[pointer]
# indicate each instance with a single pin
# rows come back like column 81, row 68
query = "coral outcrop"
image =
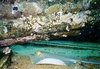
column 58, row 20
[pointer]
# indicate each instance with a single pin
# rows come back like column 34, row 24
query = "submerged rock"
column 6, row 58
column 79, row 65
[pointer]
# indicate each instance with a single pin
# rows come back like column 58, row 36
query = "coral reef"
column 53, row 9
column 60, row 20
column 5, row 11
column 31, row 9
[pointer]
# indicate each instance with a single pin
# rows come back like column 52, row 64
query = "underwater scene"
column 49, row 34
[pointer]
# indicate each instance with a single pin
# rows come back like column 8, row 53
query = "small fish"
column 12, row 31
column 26, row 33
column 69, row 0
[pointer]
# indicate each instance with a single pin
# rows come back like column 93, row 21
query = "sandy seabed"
column 24, row 62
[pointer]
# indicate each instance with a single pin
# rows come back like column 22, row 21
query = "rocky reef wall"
column 44, row 20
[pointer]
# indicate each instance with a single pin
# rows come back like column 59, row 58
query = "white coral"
column 32, row 9
column 79, row 18
column 37, row 28
column 66, row 17
column 7, row 50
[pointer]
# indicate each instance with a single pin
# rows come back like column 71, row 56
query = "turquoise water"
column 67, row 51
column 80, row 50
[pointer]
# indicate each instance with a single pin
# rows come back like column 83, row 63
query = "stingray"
column 41, row 57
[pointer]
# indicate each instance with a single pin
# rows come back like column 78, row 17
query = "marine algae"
column 54, row 8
